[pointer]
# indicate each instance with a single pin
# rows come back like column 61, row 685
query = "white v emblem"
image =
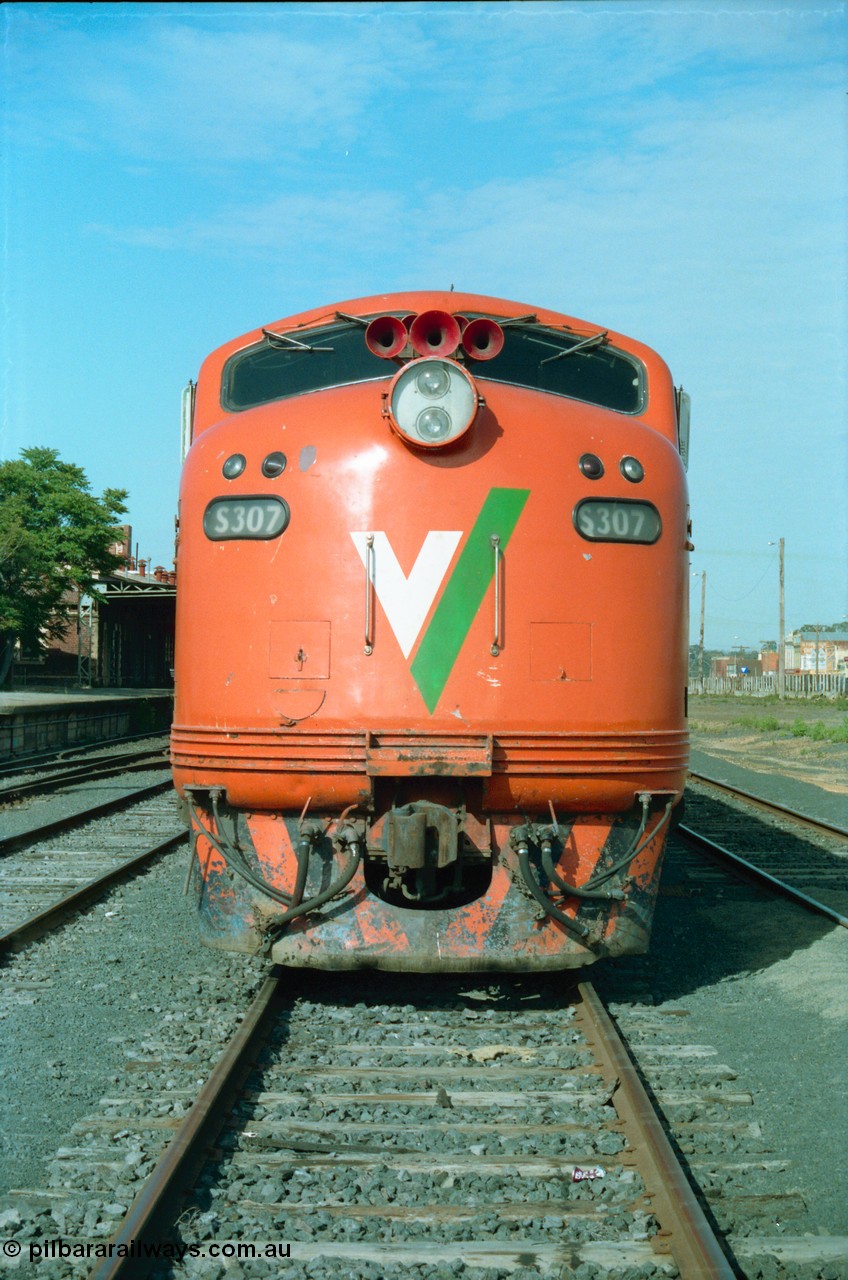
column 406, row 601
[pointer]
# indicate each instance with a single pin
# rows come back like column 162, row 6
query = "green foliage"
column 821, row 732
column 765, row 724
column 54, row 538
column 818, row 731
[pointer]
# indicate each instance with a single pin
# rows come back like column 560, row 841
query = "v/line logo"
column 406, row 601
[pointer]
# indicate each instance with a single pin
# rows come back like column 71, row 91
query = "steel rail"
column 85, row 815
column 690, row 1238
column 692, row 1244
column 150, row 1217
column 34, row 926
column 75, row 753
column 150, row 1214
column 770, row 806
column 130, row 763
column 752, row 872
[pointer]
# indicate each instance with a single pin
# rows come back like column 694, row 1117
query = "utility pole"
column 701, row 641
column 781, row 653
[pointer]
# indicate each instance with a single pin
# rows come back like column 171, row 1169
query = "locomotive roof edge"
column 659, row 410
column 436, row 299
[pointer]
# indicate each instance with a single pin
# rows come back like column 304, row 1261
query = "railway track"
column 62, row 866
column 501, row 1129
column 378, row 1130
column 55, row 775
column 790, row 853
column 382, row 1131
column 386, row 1128
column 33, row 825
column 80, row 754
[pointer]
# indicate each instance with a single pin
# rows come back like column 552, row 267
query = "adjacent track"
column 42, row 884
column 84, row 771
column 790, row 844
column 81, row 753
column 56, row 826
column 769, row 806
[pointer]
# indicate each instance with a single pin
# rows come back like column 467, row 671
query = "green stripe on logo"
column 463, row 595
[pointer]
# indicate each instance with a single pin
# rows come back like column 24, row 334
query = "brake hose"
column 574, row 926
column 600, row 877
column 590, row 889
column 236, row 863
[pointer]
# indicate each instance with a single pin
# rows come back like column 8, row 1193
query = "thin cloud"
column 266, row 83
column 186, row 93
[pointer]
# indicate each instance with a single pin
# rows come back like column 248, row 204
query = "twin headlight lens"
column 432, row 402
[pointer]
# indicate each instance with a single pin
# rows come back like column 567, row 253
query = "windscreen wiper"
column 287, row 343
column 592, row 341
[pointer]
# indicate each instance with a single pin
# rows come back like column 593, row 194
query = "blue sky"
column 175, row 174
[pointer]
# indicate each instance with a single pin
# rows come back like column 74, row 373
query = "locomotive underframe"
column 426, row 886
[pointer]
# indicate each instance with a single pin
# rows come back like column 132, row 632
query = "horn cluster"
column 434, row 333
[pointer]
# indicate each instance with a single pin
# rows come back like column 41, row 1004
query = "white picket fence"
column 804, row 685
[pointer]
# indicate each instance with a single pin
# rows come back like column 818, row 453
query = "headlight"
column 432, row 402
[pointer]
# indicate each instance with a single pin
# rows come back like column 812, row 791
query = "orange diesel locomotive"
column 431, row 636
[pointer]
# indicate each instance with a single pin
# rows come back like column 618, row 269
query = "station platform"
column 34, row 721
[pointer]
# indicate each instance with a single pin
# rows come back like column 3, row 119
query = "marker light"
column 432, row 402
column 274, row 465
column 632, row 469
column 234, row 466
column 591, row 466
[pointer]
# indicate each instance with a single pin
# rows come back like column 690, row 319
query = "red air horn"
column 434, row 333
column 386, row 336
column 483, row 339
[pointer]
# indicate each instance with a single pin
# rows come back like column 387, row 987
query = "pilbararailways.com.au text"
column 49, row 1250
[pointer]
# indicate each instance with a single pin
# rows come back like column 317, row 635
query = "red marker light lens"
column 591, row 466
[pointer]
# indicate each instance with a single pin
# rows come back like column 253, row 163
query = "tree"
column 54, row 538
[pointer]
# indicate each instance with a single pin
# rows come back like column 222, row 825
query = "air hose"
column 591, row 890
column 573, row 926
column 294, row 902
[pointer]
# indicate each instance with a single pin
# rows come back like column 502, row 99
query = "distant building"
column 812, row 649
column 120, row 636
column 727, row 668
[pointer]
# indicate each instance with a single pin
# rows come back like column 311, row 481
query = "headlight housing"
column 432, row 402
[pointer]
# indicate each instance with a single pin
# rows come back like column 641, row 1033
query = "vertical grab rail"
column 496, row 547
column 369, row 579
